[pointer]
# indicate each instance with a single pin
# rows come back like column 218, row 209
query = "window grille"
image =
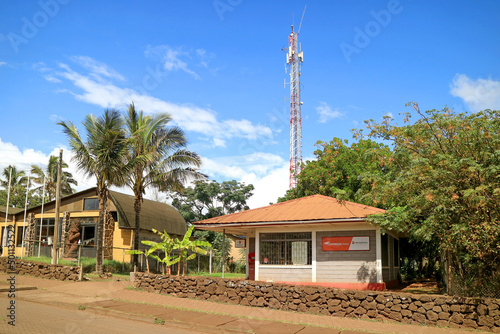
column 285, row 248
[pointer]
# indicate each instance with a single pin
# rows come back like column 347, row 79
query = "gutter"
column 302, row 222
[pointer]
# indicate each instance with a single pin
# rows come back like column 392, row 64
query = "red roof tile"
column 315, row 207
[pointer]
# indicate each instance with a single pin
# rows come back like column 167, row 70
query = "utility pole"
column 4, row 239
column 58, row 205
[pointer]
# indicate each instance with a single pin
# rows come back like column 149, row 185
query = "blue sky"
column 218, row 68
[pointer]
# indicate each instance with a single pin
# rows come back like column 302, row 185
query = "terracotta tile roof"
column 315, row 207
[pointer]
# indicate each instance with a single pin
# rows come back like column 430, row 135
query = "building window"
column 90, row 204
column 285, row 248
column 45, row 231
column 19, row 236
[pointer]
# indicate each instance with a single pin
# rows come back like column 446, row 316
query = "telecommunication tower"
column 294, row 58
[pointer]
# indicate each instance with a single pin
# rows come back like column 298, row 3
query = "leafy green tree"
column 212, row 199
column 157, row 157
column 445, row 187
column 103, row 156
column 340, row 170
column 185, row 246
column 49, row 176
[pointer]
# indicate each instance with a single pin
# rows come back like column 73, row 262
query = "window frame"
column 281, row 244
column 89, row 199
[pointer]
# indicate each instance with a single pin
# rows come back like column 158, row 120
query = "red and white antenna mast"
column 294, row 58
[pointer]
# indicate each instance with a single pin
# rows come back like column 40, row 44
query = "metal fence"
column 209, row 263
column 470, row 283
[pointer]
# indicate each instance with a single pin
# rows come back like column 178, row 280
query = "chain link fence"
column 473, row 283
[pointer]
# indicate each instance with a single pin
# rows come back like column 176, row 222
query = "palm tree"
column 49, row 176
column 156, row 157
column 101, row 156
column 17, row 179
column 18, row 186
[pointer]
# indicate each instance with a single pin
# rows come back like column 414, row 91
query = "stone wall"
column 45, row 270
column 433, row 310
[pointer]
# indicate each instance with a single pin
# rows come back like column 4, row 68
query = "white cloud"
column 56, row 118
column 478, row 94
column 267, row 172
column 174, row 58
column 97, row 68
column 237, row 167
column 23, row 159
column 2, row 63
column 219, row 142
column 52, row 79
column 268, row 188
column 189, row 117
column 326, row 113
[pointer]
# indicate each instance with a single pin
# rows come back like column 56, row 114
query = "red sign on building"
column 346, row 243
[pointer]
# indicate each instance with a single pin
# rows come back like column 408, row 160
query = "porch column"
column 378, row 242
column 247, row 251
column 313, row 255
column 257, row 254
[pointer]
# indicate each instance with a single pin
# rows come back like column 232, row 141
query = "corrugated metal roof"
column 12, row 211
column 310, row 208
column 160, row 216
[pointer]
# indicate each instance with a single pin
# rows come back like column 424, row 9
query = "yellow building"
column 80, row 211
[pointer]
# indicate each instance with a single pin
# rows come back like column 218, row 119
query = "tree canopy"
column 341, row 170
column 444, row 184
column 211, row 199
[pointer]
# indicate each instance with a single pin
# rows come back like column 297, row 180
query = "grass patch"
column 226, row 275
column 159, row 321
column 82, row 307
column 88, row 264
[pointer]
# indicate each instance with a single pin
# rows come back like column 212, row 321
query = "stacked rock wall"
column 45, row 270
column 434, row 310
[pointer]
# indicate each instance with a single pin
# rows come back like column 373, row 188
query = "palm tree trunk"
column 102, row 197
column 137, row 209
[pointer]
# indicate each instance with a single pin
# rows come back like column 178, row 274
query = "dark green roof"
column 159, row 216
column 12, row 211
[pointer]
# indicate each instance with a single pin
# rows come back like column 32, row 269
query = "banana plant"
column 167, row 246
column 185, row 245
column 153, row 246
